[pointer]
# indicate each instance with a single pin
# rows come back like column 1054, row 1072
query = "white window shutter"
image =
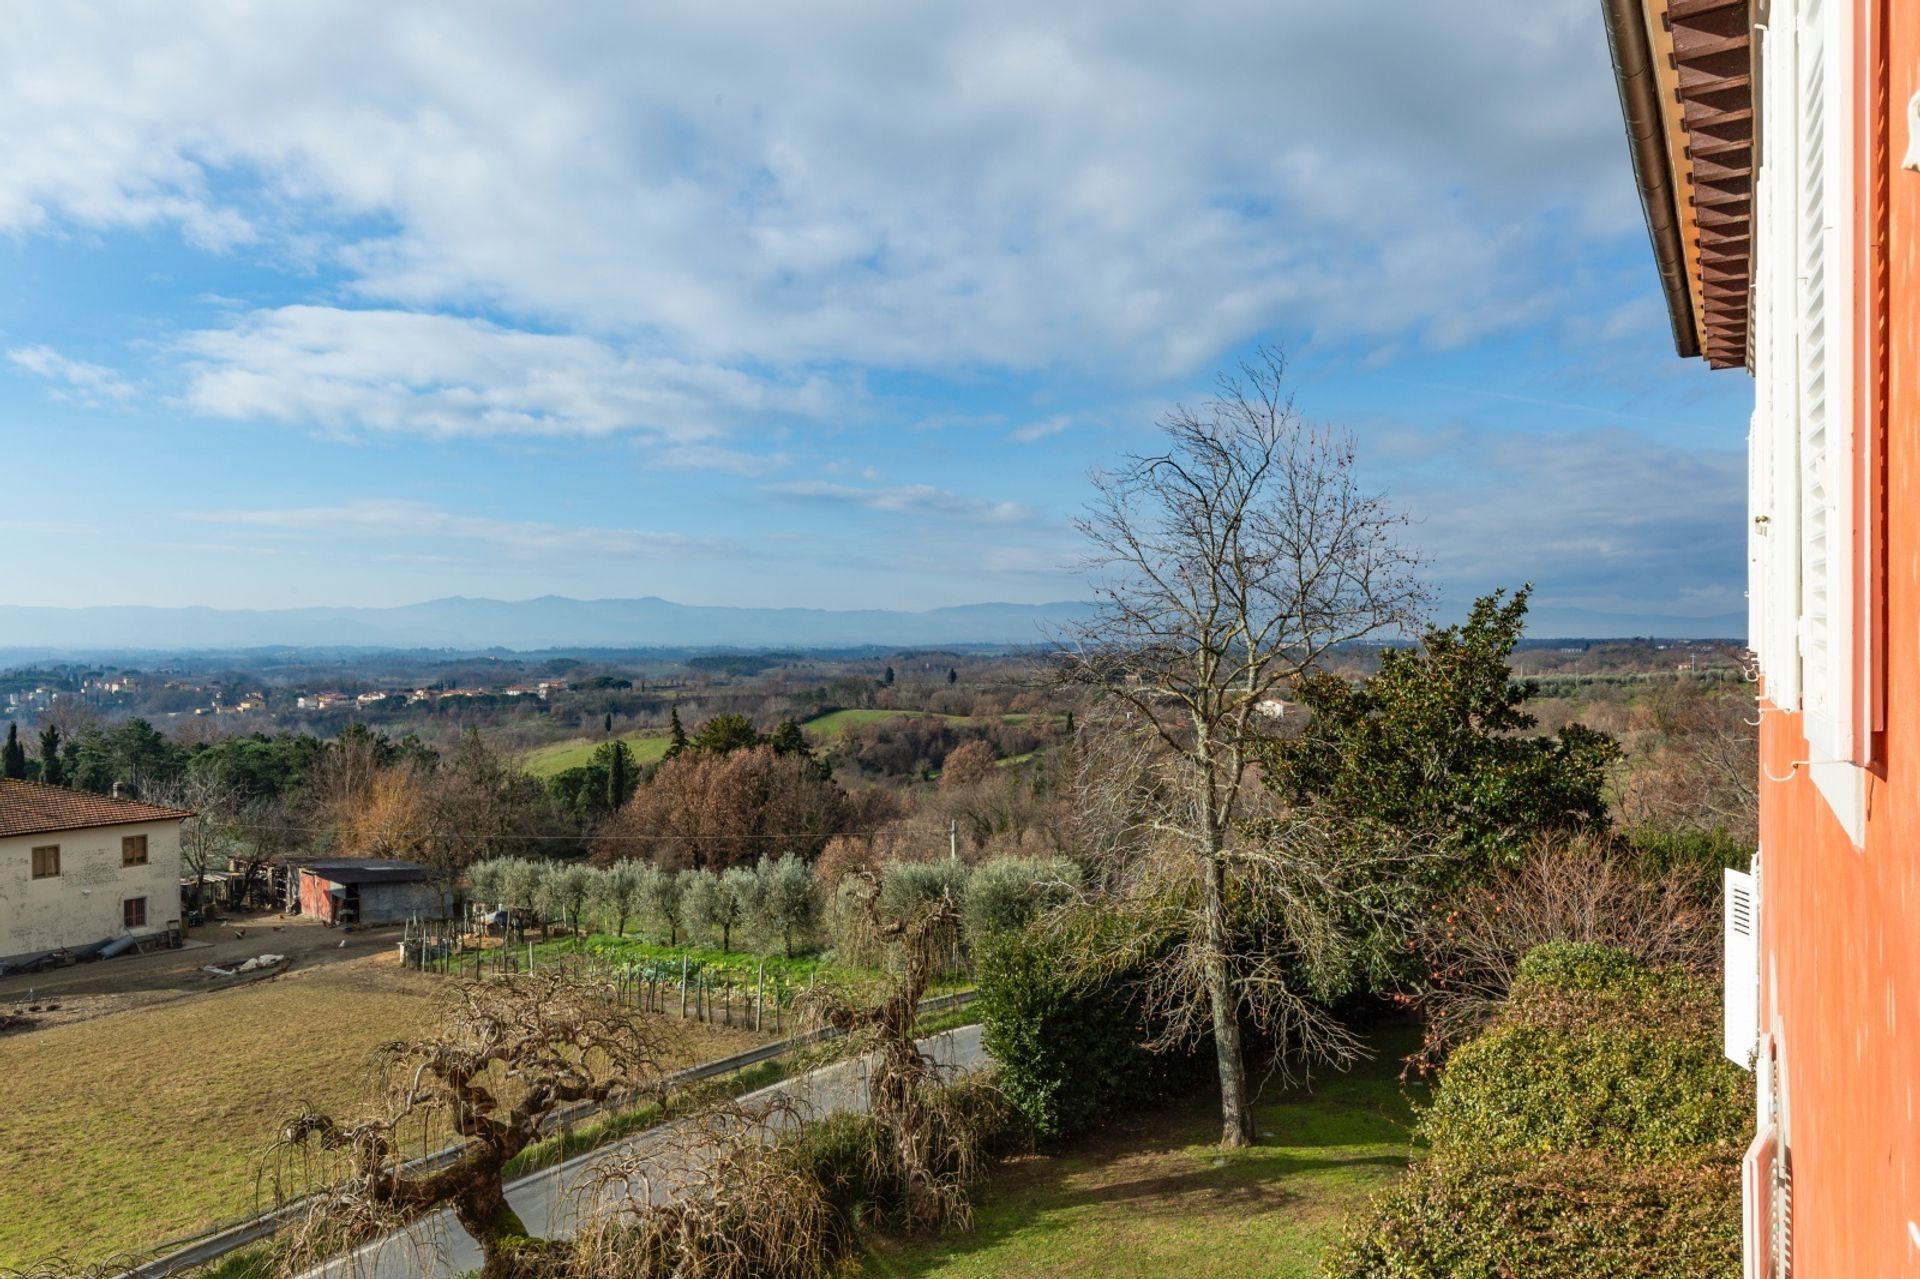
column 1822, row 326
column 1776, row 432
column 1741, row 969
column 1759, row 1174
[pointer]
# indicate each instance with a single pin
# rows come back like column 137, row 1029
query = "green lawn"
column 834, row 723
column 1151, row 1195
column 545, row 761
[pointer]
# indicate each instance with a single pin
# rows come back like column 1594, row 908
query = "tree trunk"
column 483, row 1211
column 1236, row 1113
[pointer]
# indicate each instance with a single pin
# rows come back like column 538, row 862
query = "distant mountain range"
column 549, row 622
column 556, row 622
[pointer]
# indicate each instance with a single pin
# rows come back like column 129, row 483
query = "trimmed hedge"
column 1594, row 1052
column 1571, row 1216
column 1593, row 1129
column 1069, row 1052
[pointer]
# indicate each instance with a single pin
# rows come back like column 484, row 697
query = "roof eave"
column 1635, row 76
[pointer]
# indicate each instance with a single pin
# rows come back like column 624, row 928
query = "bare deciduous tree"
column 1232, row 561
column 1569, row 889
column 509, row 1053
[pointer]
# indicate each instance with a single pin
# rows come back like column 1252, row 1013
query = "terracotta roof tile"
column 29, row 808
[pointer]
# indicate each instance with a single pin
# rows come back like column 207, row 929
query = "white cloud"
column 445, row 376
column 91, row 385
column 908, row 499
column 1605, row 520
column 411, row 523
column 1033, row 432
column 1116, row 185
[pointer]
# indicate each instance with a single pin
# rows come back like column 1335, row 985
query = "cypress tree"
column 619, row 775
column 52, row 771
column 678, row 735
column 13, row 760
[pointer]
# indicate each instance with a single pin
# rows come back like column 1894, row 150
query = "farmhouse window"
column 46, row 861
column 133, row 911
column 133, row 850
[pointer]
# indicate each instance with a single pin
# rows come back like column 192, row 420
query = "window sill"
column 1844, row 786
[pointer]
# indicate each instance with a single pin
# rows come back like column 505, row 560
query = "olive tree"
column 1228, row 562
column 620, row 893
column 786, row 900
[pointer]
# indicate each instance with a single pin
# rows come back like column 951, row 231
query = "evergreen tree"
column 678, row 735
column 887, row 679
column 13, row 761
column 787, row 739
column 606, row 725
column 1440, row 741
column 619, row 774
column 724, row 734
column 953, row 677
column 52, row 771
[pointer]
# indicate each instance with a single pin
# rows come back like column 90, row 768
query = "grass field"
column 545, row 761
column 1152, row 1196
column 132, row 1129
column 834, row 723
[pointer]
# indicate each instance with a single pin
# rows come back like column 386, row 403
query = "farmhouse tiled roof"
column 29, row 808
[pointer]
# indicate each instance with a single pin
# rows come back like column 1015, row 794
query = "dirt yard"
column 143, row 1124
column 135, row 981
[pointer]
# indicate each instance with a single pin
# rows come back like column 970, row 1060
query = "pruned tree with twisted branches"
column 932, row 1152
column 508, row 1054
column 1229, row 563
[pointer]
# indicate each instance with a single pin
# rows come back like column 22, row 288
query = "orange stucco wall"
column 1840, row 927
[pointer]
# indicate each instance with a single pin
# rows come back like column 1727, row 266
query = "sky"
column 833, row 304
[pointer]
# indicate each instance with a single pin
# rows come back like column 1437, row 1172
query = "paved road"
column 548, row 1201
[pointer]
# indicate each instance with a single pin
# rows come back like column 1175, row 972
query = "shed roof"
column 31, row 808
column 367, row 870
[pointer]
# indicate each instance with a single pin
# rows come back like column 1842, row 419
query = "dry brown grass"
column 129, row 1130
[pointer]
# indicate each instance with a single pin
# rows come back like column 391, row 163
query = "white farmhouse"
column 78, row 869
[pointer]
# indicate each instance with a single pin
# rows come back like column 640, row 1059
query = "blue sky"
column 831, row 305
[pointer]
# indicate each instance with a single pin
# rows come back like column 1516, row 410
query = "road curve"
column 435, row 1247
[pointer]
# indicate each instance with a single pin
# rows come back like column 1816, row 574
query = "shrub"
column 1594, row 1129
column 1695, row 857
column 1007, row 893
column 1549, row 1217
column 853, row 1159
column 1594, row 1051
column 1068, row 1051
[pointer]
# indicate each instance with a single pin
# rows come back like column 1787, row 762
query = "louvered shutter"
column 1741, row 969
column 1819, row 367
column 1756, row 1201
column 1776, row 435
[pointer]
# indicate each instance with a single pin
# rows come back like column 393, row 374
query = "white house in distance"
column 78, row 869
